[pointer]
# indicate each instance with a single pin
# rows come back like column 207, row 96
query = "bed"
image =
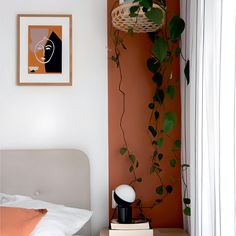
column 60, row 176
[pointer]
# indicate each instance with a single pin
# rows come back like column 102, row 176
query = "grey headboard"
column 59, row 175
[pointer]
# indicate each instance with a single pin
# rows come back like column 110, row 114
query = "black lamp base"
column 125, row 214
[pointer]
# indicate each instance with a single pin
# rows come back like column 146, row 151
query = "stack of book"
column 136, row 228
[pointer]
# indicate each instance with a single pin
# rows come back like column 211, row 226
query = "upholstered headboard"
column 58, row 176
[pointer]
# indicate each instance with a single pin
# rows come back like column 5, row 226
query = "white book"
column 130, row 232
column 138, row 224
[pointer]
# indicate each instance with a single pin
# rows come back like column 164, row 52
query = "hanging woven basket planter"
column 122, row 21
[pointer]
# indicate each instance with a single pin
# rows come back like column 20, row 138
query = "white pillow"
column 6, row 198
column 59, row 220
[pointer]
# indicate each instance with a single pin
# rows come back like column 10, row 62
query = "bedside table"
column 157, row 232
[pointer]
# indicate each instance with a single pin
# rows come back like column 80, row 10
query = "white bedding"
column 59, row 220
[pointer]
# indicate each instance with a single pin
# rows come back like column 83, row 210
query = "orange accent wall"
column 139, row 88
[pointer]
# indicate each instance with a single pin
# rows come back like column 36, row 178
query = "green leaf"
column 123, row 150
column 131, row 169
column 176, row 27
column 140, row 180
column 177, row 51
column 158, row 79
column 159, row 190
column 169, row 189
column 160, row 49
column 152, row 130
column 154, row 142
column 146, row 3
column 134, row 9
column 171, row 91
column 170, row 120
column 144, row 9
column 154, row 154
column 153, row 169
column 187, row 201
column 160, row 156
column 155, row 15
column 173, row 163
column 186, row 72
column 114, row 58
column 152, row 36
column 153, row 65
column 187, row 211
column 160, row 142
column 159, row 96
column 178, row 143
column 132, row 158
column 156, row 114
column 151, row 106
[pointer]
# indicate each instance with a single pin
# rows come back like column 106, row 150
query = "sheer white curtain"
column 208, row 115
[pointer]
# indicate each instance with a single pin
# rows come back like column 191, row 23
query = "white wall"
column 61, row 117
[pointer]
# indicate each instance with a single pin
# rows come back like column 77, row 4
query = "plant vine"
column 134, row 163
column 161, row 121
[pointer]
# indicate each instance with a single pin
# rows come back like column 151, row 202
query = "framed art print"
column 44, row 49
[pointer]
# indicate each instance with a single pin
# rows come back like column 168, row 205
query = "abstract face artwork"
column 44, row 49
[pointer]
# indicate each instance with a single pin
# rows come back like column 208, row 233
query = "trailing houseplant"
column 162, row 120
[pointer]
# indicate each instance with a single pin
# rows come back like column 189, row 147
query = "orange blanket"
column 19, row 221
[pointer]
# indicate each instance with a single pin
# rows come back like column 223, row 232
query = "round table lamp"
column 124, row 196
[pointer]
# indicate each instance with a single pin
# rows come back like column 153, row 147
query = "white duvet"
column 59, row 220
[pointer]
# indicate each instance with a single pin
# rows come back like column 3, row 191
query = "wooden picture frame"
column 44, row 49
